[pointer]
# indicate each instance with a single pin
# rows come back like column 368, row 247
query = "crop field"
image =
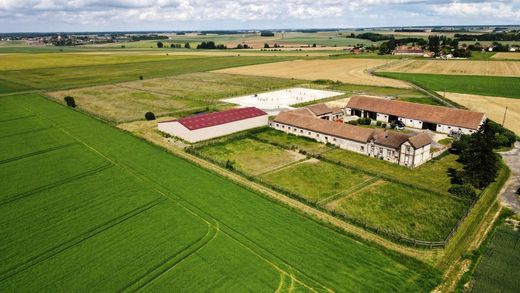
column 81, row 76
column 251, row 156
column 315, row 180
column 353, row 71
column 403, row 210
column 494, row 86
column 434, row 175
column 507, row 55
column 494, row 107
column 187, row 92
column 456, row 67
column 498, row 270
column 129, row 216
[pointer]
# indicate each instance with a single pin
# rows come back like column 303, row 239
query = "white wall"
column 176, row 129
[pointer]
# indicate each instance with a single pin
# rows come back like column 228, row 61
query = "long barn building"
column 409, row 150
column 435, row 118
column 210, row 125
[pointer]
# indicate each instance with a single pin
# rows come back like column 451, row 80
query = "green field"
column 499, row 86
column 399, row 209
column 80, row 76
column 315, row 180
column 434, row 175
column 250, row 156
column 167, row 95
column 146, row 219
column 498, row 270
column 279, row 138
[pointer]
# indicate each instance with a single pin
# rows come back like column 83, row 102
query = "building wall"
column 346, row 144
column 383, row 152
column 176, row 129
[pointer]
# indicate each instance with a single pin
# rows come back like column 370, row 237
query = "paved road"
column 509, row 196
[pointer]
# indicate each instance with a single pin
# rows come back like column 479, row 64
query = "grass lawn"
column 291, row 141
column 152, row 220
column 250, row 156
column 403, row 210
column 422, row 100
column 479, row 85
column 81, row 76
column 315, row 180
column 498, row 270
column 434, row 175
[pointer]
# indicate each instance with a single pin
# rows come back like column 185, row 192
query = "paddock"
column 281, row 100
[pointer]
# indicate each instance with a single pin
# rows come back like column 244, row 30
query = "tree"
column 160, row 44
column 480, row 162
column 266, row 46
column 149, row 116
column 434, row 44
column 465, row 191
column 70, row 101
column 187, row 45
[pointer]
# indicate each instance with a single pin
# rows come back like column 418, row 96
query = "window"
column 283, row 126
column 334, row 139
column 309, row 133
column 362, row 148
column 407, row 148
column 301, row 130
column 277, row 124
column 317, row 135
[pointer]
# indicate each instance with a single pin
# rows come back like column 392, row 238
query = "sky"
column 129, row 15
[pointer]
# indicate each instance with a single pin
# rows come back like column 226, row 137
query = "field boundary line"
column 26, row 132
column 37, row 153
column 17, row 118
column 171, row 262
column 19, row 196
column 6, row 274
column 281, row 167
column 354, row 188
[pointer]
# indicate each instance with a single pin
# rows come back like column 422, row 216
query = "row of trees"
column 161, row 45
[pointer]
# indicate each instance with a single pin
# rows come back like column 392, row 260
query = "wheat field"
column 457, row 67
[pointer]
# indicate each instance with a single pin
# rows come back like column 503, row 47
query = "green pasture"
column 284, row 140
column 316, row 180
column 399, row 209
column 250, row 156
column 499, row 86
column 150, row 220
column 434, row 175
column 498, row 270
column 82, row 76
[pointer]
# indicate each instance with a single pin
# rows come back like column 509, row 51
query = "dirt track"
column 353, row 71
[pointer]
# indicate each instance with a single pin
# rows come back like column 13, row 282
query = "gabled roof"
column 218, row 118
column 420, row 140
column 326, row 127
column 322, row 109
column 426, row 113
column 390, row 138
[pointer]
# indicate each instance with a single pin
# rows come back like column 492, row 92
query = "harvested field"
column 507, row 55
column 457, row 67
column 352, row 71
column 494, row 107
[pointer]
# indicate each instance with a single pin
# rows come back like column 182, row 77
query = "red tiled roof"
column 426, row 113
column 218, row 118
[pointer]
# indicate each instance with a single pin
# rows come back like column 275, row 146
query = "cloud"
column 27, row 15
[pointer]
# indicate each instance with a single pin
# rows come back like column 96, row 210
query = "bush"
column 149, row 116
column 383, row 125
column 141, row 77
column 160, row 44
column 353, row 122
column 364, row 121
column 465, row 191
column 70, row 101
column 378, row 123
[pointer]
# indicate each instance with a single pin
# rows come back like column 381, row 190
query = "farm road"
column 509, row 196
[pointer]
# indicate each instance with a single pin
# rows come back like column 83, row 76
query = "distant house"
column 210, row 125
column 435, row 118
column 409, row 150
column 408, row 51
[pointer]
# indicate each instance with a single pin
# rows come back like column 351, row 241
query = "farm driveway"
column 509, row 196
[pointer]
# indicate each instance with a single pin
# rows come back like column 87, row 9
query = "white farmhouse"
column 210, row 125
column 421, row 116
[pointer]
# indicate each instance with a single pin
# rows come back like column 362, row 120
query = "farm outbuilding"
column 421, row 116
column 210, row 125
